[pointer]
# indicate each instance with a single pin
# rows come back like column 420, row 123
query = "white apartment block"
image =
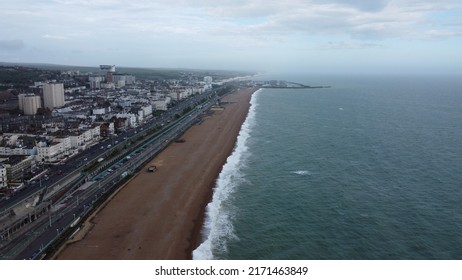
column 198, row 90
column 182, row 93
column 123, row 79
column 9, row 151
column 67, row 146
column 147, row 110
column 50, row 153
column 177, row 95
column 108, row 85
column 21, row 101
column 119, row 84
column 53, row 95
column 129, row 79
column 78, row 141
column 95, row 81
column 161, row 105
column 29, row 103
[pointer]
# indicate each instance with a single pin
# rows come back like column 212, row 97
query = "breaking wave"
column 218, row 227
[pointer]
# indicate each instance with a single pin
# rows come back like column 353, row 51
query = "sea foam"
column 218, row 227
column 302, row 172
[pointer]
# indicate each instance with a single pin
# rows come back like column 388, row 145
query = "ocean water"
column 370, row 168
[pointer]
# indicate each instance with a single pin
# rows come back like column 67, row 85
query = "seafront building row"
column 60, row 118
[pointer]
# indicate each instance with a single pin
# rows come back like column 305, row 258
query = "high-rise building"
column 95, row 81
column 109, row 70
column 127, row 79
column 21, row 101
column 29, row 103
column 53, row 95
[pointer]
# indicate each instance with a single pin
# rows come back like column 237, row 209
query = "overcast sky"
column 324, row 36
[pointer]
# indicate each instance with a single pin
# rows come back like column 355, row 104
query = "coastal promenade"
column 159, row 215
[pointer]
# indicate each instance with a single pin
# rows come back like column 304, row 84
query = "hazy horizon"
column 315, row 36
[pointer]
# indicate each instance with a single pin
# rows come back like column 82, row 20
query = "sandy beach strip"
column 159, row 215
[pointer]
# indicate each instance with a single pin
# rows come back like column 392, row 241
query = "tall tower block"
column 53, row 95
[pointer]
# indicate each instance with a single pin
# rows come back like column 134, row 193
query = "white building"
column 147, row 110
column 3, row 177
column 108, row 85
column 123, row 79
column 52, row 152
column 111, row 128
column 21, row 101
column 130, row 117
column 95, row 81
column 130, row 80
column 162, row 105
column 29, row 103
column 53, row 95
column 177, row 95
column 182, row 93
column 92, row 134
column 67, row 146
column 17, row 167
column 101, row 111
column 140, row 115
column 119, row 84
column 89, row 136
column 14, row 146
column 78, row 141
column 14, row 151
column 197, row 90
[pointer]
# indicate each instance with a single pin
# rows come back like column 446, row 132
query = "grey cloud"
column 11, row 45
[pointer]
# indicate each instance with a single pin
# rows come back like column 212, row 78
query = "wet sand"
column 159, row 215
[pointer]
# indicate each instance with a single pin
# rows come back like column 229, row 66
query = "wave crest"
column 218, row 228
column 302, row 172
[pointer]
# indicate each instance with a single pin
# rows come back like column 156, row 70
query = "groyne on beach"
column 159, row 215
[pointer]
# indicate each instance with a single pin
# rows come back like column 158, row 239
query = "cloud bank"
column 171, row 28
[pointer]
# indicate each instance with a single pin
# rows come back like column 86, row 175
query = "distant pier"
column 285, row 85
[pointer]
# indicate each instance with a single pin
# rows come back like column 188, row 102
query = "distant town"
column 69, row 137
column 53, row 119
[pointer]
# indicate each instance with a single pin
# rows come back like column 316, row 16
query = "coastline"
column 160, row 215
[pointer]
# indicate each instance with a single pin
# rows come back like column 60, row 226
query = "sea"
column 370, row 168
